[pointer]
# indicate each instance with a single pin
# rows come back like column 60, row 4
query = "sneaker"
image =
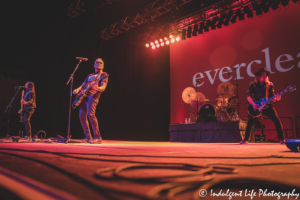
column 244, row 142
column 282, row 141
column 95, row 141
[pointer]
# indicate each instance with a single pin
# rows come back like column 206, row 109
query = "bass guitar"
column 83, row 93
column 22, row 108
column 261, row 104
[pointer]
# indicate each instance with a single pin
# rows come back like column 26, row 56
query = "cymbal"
column 226, row 89
column 197, row 96
column 186, row 94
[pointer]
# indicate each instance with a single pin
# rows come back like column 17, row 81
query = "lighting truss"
column 76, row 8
column 203, row 15
column 150, row 12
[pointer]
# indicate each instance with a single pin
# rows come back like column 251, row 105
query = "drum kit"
column 224, row 109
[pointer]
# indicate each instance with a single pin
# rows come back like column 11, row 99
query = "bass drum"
column 207, row 113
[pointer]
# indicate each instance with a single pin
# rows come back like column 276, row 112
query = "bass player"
column 87, row 108
column 259, row 89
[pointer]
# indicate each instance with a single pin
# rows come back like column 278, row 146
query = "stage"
column 69, row 170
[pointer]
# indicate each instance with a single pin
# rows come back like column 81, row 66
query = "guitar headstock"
column 291, row 88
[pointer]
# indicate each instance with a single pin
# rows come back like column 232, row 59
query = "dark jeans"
column 272, row 114
column 87, row 108
column 26, row 120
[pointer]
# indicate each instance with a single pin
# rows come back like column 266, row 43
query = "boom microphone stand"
column 70, row 103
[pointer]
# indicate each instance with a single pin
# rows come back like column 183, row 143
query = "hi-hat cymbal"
column 226, row 89
column 187, row 93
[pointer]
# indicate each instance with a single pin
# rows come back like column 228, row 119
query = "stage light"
column 151, row 43
column 200, row 31
column 156, row 41
column 177, row 38
column 275, row 4
column 167, row 42
column 257, row 8
column 207, row 25
column 171, row 36
column 147, row 45
column 153, row 47
column 183, row 34
column 162, row 44
column 265, row 6
column 161, row 40
column 172, row 40
column 221, row 20
column 195, row 30
column 157, row 45
column 233, row 19
column 248, row 11
column 213, row 23
column 165, row 38
column 240, row 14
column 295, row 1
column 285, row 2
column 189, row 32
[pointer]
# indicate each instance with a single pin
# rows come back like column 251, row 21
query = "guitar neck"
column 273, row 97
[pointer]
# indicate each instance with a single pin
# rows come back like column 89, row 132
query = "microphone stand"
column 9, row 107
column 70, row 103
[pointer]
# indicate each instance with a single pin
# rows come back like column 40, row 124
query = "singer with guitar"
column 87, row 107
column 28, row 106
column 263, row 88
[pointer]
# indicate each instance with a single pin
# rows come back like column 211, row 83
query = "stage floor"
column 71, row 168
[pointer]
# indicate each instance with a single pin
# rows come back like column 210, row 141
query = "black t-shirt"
column 257, row 90
column 29, row 97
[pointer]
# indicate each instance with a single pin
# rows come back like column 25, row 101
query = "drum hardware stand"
column 8, row 108
column 237, row 89
column 70, row 103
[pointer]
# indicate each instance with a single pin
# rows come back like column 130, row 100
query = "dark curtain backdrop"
column 135, row 105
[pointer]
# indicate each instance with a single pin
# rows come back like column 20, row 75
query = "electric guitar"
column 22, row 108
column 83, row 93
column 261, row 104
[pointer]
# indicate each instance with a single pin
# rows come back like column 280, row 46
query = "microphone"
column 19, row 87
column 81, row 58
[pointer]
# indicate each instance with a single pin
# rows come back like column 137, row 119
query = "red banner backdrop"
column 271, row 40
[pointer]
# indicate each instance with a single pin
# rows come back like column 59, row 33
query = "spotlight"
column 233, row 19
column 153, row 47
column 265, row 6
column 156, row 41
column 221, row 20
column 195, row 30
column 207, row 25
column 257, row 8
column 177, row 38
column 151, row 43
column 167, row 42
column 240, row 14
column 165, row 38
column 200, row 30
column 275, row 4
column 183, row 34
column 171, row 36
column 172, row 40
column 162, row 44
column 228, row 17
column 161, row 40
column 147, row 45
column 295, row 1
column 213, row 23
column 157, row 45
column 285, row 2
column 250, row 14
column 189, row 32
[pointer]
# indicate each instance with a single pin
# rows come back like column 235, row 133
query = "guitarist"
column 258, row 89
column 29, row 103
column 87, row 108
